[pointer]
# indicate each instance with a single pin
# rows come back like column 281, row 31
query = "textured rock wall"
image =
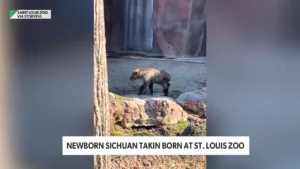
column 173, row 28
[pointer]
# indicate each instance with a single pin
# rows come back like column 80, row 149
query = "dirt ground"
column 159, row 162
column 185, row 75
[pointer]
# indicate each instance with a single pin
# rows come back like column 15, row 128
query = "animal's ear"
column 136, row 71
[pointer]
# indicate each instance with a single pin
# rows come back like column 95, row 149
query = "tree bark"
column 101, row 105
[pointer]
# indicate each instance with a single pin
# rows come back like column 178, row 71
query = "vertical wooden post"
column 101, row 104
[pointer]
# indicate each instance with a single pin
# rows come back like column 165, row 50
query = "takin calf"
column 152, row 76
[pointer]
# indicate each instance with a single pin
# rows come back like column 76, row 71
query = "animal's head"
column 136, row 74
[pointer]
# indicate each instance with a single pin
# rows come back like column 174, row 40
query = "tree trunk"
column 101, row 105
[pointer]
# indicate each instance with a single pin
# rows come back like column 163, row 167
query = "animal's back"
column 149, row 71
column 166, row 75
column 159, row 76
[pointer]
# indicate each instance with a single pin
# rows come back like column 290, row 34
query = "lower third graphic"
column 30, row 14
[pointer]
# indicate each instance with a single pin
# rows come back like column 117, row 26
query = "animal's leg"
column 143, row 87
column 166, row 86
column 151, row 88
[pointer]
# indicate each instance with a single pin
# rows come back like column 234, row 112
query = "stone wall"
column 173, row 28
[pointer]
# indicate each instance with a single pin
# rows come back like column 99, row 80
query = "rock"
column 116, row 107
column 194, row 101
column 145, row 111
column 195, row 129
column 202, row 108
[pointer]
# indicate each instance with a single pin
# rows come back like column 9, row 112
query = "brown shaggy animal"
column 152, row 76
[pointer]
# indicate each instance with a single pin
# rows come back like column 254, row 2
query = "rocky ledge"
column 145, row 115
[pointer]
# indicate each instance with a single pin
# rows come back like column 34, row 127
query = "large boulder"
column 145, row 111
column 194, row 101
